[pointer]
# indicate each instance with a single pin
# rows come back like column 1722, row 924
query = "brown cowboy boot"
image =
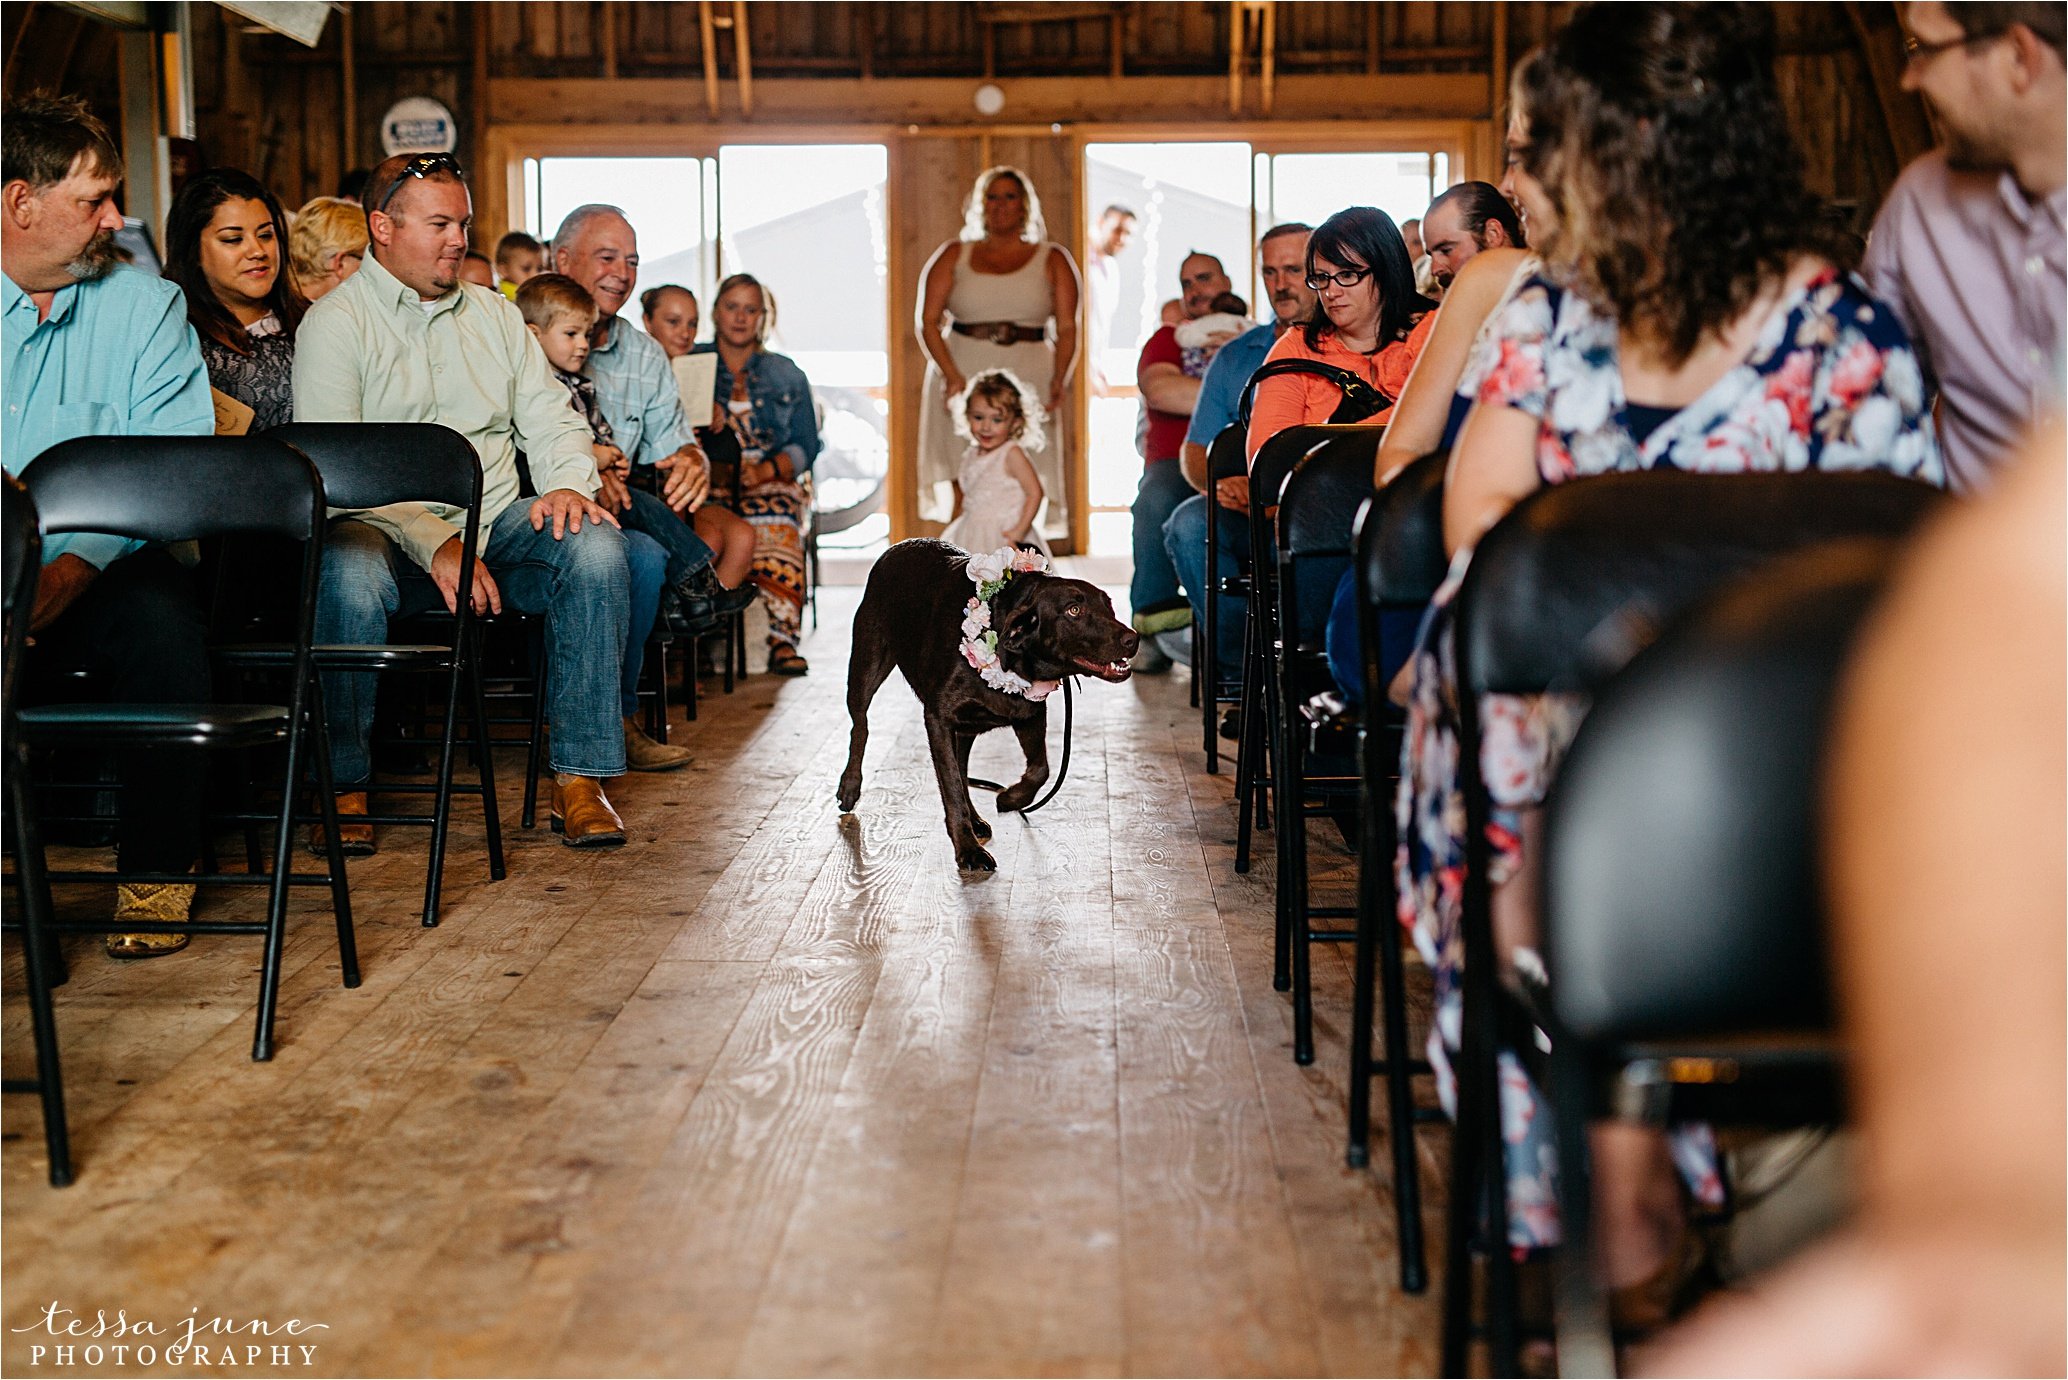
column 644, row 754
column 582, row 815
column 353, row 840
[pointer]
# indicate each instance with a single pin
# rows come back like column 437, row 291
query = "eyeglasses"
column 1916, row 50
column 1349, row 277
column 423, row 165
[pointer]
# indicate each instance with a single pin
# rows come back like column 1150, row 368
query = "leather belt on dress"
column 1001, row 332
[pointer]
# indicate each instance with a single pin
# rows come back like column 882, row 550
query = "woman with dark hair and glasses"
column 765, row 405
column 226, row 247
column 1368, row 320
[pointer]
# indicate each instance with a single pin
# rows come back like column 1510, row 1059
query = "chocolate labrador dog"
column 911, row 618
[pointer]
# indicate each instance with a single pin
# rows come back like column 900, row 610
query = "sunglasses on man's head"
column 421, row 166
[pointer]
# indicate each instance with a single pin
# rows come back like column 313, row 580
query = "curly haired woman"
column 1694, row 312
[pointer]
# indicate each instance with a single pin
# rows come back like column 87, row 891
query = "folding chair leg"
column 283, row 858
column 657, row 709
column 536, row 754
column 1464, row 1211
column 1586, row 1345
column 1248, row 807
column 334, row 850
column 38, row 948
column 1400, row 1105
column 692, row 659
column 441, row 806
column 1293, row 924
column 1363, row 997
column 484, row 754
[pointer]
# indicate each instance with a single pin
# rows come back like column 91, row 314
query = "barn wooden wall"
column 636, row 74
column 299, row 117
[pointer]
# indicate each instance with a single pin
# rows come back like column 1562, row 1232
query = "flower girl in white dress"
column 997, row 492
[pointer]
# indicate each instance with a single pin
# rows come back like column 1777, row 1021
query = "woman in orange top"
column 1368, row 319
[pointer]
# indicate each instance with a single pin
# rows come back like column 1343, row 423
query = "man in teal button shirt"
column 96, row 350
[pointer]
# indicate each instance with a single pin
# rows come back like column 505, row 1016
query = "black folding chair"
column 1688, row 976
column 1316, row 507
column 371, row 465
column 1259, row 703
column 172, row 488
column 1399, row 565
column 1224, row 460
column 24, row 549
column 1561, row 590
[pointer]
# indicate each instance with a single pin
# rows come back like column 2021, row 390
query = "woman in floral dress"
column 1691, row 314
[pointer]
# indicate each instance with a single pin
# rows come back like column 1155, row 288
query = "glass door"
column 670, row 201
column 808, row 221
column 1186, row 198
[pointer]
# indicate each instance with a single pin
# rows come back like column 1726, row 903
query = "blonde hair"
column 1033, row 229
column 547, row 297
column 323, row 230
column 1004, row 389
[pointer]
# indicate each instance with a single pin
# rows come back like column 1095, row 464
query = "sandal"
column 784, row 660
column 133, row 946
column 150, row 901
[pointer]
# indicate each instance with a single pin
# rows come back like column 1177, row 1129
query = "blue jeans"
column 580, row 585
column 686, row 551
column 1184, row 543
column 1397, row 629
column 1184, row 539
column 1154, row 587
column 660, row 550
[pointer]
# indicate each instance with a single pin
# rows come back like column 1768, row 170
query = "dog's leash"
column 1062, row 771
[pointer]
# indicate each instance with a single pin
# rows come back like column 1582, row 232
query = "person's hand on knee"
column 566, row 509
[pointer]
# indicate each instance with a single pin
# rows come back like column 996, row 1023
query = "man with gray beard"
column 93, row 350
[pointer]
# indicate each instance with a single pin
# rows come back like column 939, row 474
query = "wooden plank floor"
column 767, row 1092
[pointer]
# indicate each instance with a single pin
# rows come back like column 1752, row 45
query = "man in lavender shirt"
column 1969, row 248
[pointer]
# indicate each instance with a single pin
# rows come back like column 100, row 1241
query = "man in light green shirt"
column 404, row 340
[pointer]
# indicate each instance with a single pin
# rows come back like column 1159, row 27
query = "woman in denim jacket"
column 765, row 404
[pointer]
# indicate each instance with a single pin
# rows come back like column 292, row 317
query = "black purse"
column 1360, row 398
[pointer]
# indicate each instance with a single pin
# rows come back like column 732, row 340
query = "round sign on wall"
column 418, row 124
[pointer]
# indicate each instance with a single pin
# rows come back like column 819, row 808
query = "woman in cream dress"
column 1000, row 296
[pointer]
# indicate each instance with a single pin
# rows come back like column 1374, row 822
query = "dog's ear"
column 1020, row 628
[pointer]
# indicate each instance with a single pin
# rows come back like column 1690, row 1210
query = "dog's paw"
column 972, row 857
column 981, row 827
column 850, row 792
column 1018, row 796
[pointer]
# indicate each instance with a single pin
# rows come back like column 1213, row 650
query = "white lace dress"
column 991, row 502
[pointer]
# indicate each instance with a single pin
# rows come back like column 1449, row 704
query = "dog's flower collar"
column 991, row 571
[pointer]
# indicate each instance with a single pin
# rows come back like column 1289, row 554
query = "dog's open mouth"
column 1115, row 671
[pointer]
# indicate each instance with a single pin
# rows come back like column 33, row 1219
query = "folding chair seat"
column 173, row 488
column 371, row 465
column 1317, row 506
column 1399, row 565
column 1559, row 593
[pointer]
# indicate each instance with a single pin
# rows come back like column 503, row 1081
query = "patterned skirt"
column 775, row 510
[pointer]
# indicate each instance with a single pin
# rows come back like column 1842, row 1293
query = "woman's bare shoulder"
column 1488, row 273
